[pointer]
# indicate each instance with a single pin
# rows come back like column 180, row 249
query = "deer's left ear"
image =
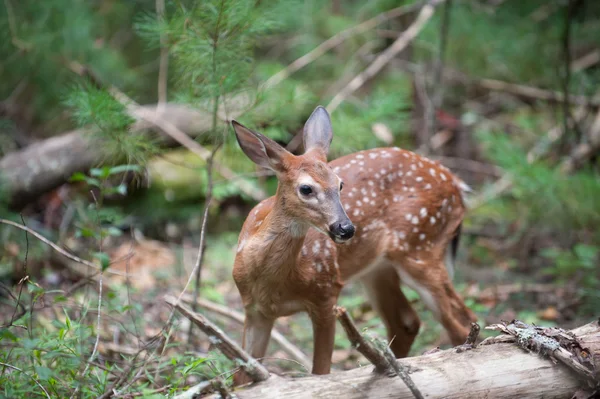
column 317, row 131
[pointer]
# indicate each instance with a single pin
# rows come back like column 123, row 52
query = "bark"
column 496, row 370
column 43, row 166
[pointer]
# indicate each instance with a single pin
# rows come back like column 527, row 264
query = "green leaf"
column 44, row 373
column 122, row 189
column 102, row 173
column 125, row 168
column 104, row 259
column 77, row 176
column 5, row 333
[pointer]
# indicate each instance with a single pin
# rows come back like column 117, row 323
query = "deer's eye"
column 341, row 185
column 305, row 190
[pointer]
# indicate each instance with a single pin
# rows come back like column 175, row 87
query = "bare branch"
column 336, row 40
column 238, row 317
column 386, row 56
column 225, row 344
column 359, row 342
column 28, row 375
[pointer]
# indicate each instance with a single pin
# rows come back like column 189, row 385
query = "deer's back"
column 402, row 204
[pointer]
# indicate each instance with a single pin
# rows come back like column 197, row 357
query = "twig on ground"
column 336, row 40
column 238, row 317
column 58, row 249
column 382, row 358
column 99, row 317
column 195, row 391
column 470, row 342
column 402, row 373
column 201, row 246
column 360, row 343
column 10, row 366
column 225, row 344
column 556, row 343
column 386, row 56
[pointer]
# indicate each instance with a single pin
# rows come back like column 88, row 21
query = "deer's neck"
column 283, row 238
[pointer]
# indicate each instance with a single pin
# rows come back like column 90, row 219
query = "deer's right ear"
column 260, row 149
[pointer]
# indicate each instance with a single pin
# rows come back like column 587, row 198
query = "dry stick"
column 402, row 373
column 163, row 68
column 225, row 344
column 28, row 375
column 200, row 256
column 238, row 317
column 383, row 362
column 336, row 40
column 58, row 249
column 535, row 92
column 547, row 345
column 168, row 128
column 97, row 341
column 386, row 56
column 359, row 342
column 437, row 88
column 505, row 182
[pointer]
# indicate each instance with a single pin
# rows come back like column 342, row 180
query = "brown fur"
column 406, row 210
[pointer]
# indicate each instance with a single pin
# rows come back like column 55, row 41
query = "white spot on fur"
column 370, row 183
column 432, row 220
column 318, row 267
column 358, row 203
column 259, row 223
column 443, row 176
column 316, row 247
column 408, row 216
column 421, row 236
column 356, row 212
column 423, row 212
column 373, row 194
column 428, row 186
column 415, row 220
column 242, row 245
column 386, row 202
column 347, row 206
column 432, row 172
column 413, row 166
column 360, row 156
column 419, row 179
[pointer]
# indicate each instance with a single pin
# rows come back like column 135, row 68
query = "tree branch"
column 386, row 56
column 225, row 344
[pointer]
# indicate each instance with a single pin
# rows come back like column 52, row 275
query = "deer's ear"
column 260, row 149
column 317, row 131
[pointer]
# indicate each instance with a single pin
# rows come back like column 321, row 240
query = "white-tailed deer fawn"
column 295, row 251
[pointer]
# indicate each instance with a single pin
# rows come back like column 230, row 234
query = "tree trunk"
column 498, row 370
column 43, row 166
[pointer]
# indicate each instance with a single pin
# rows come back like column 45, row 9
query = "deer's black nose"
column 344, row 231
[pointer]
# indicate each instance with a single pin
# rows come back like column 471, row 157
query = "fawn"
column 298, row 248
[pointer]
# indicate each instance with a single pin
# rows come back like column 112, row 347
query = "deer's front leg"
column 257, row 332
column 323, row 322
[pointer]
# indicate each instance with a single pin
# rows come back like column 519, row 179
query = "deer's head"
column 308, row 190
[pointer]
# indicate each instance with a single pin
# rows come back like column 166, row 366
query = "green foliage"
column 508, row 44
column 581, row 261
column 38, row 40
column 544, row 194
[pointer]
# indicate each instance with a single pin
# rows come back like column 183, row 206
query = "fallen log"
column 45, row 165
column 497, row 368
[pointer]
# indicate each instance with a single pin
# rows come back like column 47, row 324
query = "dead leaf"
column 141, row 259
column 550, row 313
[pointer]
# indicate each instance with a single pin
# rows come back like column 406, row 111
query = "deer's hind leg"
column 400, row 319
column 429, row 277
